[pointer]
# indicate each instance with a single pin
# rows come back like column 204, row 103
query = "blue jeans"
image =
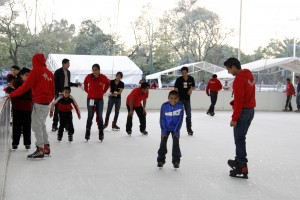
column 111, row 102
column 98, row 103
column 240, row 132
column 298, row 101
column 188, row 112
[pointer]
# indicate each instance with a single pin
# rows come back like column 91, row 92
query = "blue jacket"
column 171, row 118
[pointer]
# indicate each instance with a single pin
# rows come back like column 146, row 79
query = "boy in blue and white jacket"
column 171, row 117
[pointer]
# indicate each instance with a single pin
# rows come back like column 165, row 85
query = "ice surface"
column 124, row 167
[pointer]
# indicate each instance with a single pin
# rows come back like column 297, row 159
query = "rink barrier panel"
column 265, row 101
column 5, row 139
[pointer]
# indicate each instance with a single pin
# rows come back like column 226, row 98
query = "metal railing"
column 5, row 138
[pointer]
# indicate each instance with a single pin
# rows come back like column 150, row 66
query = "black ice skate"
column 239, row 170
column 144, row 132
column 70, row 138
column 190, row 132
column 160, row 164
column 54, row 128
column 14, row 147
column 105, row 125
column 27, row 147
column 115, row 127
column 87, row 134
column 39, row 153
column 129, row 133
column 101, row 135
column 59, row 137
column 176, row 165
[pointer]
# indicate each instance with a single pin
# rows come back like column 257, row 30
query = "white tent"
column 193, row 67
column 81, row 65
column 288, row 63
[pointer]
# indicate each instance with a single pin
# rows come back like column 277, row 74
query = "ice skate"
column 59, row 137
column 190, row 132
column 176, row 165
column 70, row 138
column 160, row 164
column 239, row 170
column 87, row 134
column 27, row 147
column 105, row 125
column 39, row 153
column 115, row 127
column 129, row 133
column 54, row 128
column 101, row 135
column 144, row 132
column 47, row 149
column 14, row 147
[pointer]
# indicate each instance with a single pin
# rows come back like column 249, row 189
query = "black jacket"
column 59, row 80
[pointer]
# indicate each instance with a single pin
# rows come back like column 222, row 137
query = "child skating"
column 171, row 117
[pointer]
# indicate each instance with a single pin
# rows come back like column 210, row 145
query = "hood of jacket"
column 38, row 60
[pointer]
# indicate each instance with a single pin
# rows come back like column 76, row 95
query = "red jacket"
column 137, row 97
column 40, row 80
column 213, row 85
column 290, row 90
column 96, row 86
column 65, row 105
column 244, row 93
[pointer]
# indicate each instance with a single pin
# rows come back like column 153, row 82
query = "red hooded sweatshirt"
column 214, row 85
column 40, row 80
column 96, row 86
column 290, row 90
column 244, row 93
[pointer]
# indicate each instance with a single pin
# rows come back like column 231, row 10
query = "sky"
column 261, row 20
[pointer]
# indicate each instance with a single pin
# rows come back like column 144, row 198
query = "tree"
column 91, row 40
column 191, row 31
column 13, row 36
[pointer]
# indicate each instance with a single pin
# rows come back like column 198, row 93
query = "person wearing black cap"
column 62, row 79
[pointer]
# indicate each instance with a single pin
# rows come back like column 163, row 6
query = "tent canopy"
column 193, row 67
column 81, row 65
column 288, row 63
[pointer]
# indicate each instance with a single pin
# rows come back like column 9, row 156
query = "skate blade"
column 115, row 129
column 245, row 176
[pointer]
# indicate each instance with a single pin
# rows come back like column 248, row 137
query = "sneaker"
column 87, row 134
column 14, row 147
column 176, row 165
column 70, row 138
column 47, row 149
column 27, row 147
column 39, row 153
column 161, row 163
column 144, row 132
column 101, row 135
column 54, row 128
column 129, row 133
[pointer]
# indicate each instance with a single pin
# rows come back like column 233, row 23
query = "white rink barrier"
column 265, row 101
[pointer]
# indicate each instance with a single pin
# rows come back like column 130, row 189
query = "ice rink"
column 124, row 167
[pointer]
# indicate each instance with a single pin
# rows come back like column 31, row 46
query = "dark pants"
column 55, row 115
column 65, row 121
column 140, row 114
column 213, row 100
column 111, row 102
column 176, row 153
column 98, row 103
column 288, row 102
column 298, row 101
column 188, row 112
column 240, row 132
column 21, row 124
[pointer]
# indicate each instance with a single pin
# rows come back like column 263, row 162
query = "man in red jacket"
column 290, row 91
column 212, row 89
column 41, row 82
column 243, row 113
